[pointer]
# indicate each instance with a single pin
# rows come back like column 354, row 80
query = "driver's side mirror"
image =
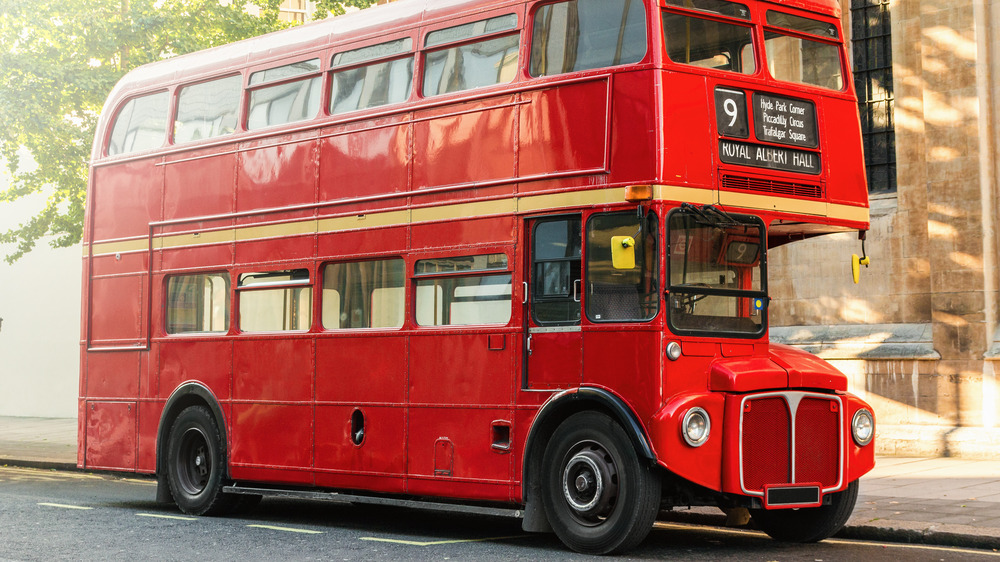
column 623, row 252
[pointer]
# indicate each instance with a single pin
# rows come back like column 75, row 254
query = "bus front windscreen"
column 717, row 273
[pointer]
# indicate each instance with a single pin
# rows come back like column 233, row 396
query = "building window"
column 871, row 39
column 293, row 10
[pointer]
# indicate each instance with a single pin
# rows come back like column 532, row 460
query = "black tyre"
column 598, row 496
column 196, row 464
column 810, row 524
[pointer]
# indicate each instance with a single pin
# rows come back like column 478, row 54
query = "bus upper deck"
column 706, row 100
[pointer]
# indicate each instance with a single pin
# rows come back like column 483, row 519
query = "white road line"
column 435, row 543
column 287, row 529
column 159, row 516
column 63, row 506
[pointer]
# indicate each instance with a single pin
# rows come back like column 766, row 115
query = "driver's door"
column 554, row 342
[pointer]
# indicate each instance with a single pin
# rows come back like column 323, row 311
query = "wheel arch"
column 550, row 415
column 186, row 395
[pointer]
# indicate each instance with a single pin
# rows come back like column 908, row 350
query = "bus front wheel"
column 598, row 496
column 195, row 463
column 808, row 524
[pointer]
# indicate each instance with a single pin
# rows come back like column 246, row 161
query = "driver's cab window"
column 622, row 272
column 717, row 273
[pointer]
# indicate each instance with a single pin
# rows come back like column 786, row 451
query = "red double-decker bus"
column 503, row 254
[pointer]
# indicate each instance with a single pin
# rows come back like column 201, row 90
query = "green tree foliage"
column 59, row 60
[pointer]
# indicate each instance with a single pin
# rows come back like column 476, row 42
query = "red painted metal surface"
column 462, row 174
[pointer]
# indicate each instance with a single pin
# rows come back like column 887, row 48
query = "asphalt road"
column 54, row 515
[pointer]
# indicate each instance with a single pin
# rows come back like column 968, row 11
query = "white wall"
column 40, row 333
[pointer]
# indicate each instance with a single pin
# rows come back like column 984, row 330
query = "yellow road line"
column 63, row 506
column 435, row 543
column 287, row 529
column 158, row 516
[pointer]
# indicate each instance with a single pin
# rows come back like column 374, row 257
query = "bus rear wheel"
column 598, row 496
column 809, row 524
column 196, row 463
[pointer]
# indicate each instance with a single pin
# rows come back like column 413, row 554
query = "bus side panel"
column 564, row 129
column 688, row 132
column 125, row 198
column 846, row 182
column 447, row 235
column 296, row 248
column 633, row 131
column 119, row 314
column 628, row 362
column 111, row 435
column 204, row 361
column 282, row 174
column 113, row 375
column 215, row 257
column 366, row 374
column 390, row 240
column 272, row 415
column 376, row 463
column 110, row 410
column 464, row 143
column 355, row 154
column 149, row 424
column 461, row 388
column 213, row 194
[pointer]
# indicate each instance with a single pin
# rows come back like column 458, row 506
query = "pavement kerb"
column 964, row 536
column 44, row 465
column 897, row 531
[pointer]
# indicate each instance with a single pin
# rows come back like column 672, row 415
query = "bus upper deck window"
column 799, row 59
column 385, row 78
column 708, row 43
column 275, row 99
column 141, row 124
column 208, row 109
column 584, row 34
column 471, row 65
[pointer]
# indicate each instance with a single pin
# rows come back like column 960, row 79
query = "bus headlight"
column 696, row 427
column 863, row 427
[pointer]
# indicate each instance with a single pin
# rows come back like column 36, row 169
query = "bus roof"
column 356, row 26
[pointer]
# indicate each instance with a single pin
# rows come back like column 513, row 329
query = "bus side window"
column 275, row 301
column 141, row 124
column 364, row 294
column 286, row 102
column 208, row 109
column 472, row 65
column 585, row 34
column 381, row 82
column 197, row 304
column 447, row 299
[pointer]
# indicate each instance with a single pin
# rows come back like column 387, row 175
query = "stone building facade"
column 919, row 335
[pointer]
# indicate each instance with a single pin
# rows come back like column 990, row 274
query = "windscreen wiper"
column 711, row 215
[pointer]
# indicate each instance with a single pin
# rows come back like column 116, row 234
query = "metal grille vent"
column 775, row 187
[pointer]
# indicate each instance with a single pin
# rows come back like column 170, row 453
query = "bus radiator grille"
column 767, row 448
column 775, row 187
column 766, row 443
